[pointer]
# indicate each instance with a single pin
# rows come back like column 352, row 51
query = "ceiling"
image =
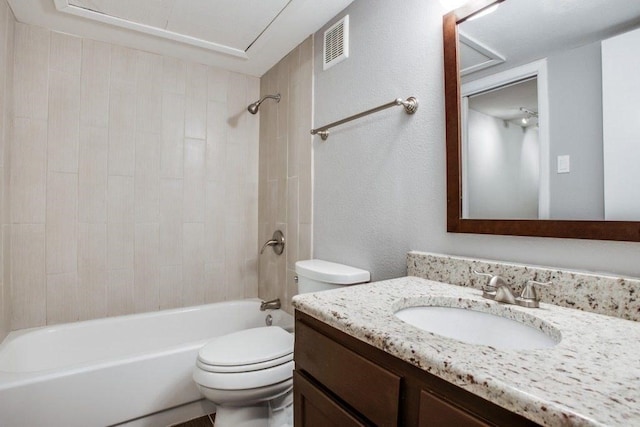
column 506, row 102
column 521, row 31
column 248, row 36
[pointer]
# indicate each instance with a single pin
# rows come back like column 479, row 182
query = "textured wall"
column 575, row 128
column 380, row 182
column 7, row 24
column 134, row 181
column 286, row 170
column 503, row 168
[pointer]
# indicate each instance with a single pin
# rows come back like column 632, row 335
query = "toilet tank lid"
column 331, row 272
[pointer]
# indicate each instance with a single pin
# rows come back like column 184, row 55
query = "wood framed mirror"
column 458, row 218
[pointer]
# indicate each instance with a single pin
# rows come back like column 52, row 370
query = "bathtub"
column 119, row 370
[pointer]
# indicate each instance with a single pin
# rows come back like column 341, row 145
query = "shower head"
column 253, row 108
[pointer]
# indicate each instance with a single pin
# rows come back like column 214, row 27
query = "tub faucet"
column 273, row 304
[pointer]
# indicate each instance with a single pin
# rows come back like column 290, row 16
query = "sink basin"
column 476, row 327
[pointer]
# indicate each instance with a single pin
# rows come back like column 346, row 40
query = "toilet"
column 248, row 374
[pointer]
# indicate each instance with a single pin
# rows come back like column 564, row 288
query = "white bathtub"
column 111, row 371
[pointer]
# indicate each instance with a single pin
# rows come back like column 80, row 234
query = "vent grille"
column 336, row 43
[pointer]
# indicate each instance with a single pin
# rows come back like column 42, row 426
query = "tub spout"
column 273, row 304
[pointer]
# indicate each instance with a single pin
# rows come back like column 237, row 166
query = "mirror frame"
column 576, row 229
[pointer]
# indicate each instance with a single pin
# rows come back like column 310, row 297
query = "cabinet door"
column 436, row 412
column 314, row 408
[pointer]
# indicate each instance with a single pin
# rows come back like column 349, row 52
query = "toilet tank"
column 318, row 275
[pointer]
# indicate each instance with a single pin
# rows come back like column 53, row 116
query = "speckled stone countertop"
column 590, row 378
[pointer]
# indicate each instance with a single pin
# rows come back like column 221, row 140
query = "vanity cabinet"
column 341, row 381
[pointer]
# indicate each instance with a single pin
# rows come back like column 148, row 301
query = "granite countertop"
column 590, row 378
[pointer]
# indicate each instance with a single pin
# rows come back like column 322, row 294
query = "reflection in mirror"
column 502, row 152
column 573, row 165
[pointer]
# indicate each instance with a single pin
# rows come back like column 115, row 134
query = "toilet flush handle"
column 276, row 242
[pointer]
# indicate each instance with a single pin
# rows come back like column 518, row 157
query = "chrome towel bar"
column 410, row 107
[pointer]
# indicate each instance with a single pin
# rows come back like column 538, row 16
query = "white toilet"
column 248, row 373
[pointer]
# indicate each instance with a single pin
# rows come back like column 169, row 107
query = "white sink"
column 476, row 327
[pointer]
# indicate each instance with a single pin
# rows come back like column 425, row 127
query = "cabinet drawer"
column 313, row 408
column 437, row 412
column 370, row 389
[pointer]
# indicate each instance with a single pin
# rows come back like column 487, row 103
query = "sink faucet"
column 273, row 304
column 498, row 290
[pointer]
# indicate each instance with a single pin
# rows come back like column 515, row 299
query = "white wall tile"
column 62, row 223
column 215, row 290
column 96, row 62
column 235, row 172
column 122, row 105
column 126, row 196
column 170, row 287
column 292, row 222
column 120, row 199
column 194, row 180
column 193, row 260
column 285, row 171
column 120, row 245
column 92, row 175
column 218, row 80
column 235, row 259
column 194, row 287
column 92, row 271
column 28, row 171
column 123, row 64
column 174, row 75
column 28, row 279
column 122, row 149
column 237, row 102
column 64, row 122
column 146, row 288
column 66, row 53
column 148, row 92
column 147, row 177
column 62, row 298
column 216, row 141
column 172, row 151
column 120, row 292
column 31, row 71
column 215, row 220
column 195, row 123
column 171, row 220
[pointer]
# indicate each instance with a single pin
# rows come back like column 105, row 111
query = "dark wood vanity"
column 341, row 381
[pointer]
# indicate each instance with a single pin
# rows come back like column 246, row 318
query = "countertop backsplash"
column 604, row 294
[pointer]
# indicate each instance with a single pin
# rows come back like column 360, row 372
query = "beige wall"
column 134, row 183
column 286, row 170
column 7, row 24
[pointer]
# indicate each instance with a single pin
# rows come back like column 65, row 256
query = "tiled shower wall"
column 7, row 25
column 286, row 171
column 134, row 181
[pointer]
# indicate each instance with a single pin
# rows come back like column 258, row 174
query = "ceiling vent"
column 336, row 43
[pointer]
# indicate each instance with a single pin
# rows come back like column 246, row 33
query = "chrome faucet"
column 498, row 290
column 273, row 304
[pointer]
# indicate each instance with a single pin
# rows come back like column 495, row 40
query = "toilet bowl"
column 249, row 373
column 242, row 371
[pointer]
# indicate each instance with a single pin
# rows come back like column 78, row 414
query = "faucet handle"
column 528, row 297
column 493, row 282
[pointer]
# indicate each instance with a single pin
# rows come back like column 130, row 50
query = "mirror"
column 541, row 139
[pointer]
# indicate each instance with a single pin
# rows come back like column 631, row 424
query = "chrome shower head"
column 253, row 108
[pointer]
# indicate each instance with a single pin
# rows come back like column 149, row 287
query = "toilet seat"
column 245, row 368
column 250, row 358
